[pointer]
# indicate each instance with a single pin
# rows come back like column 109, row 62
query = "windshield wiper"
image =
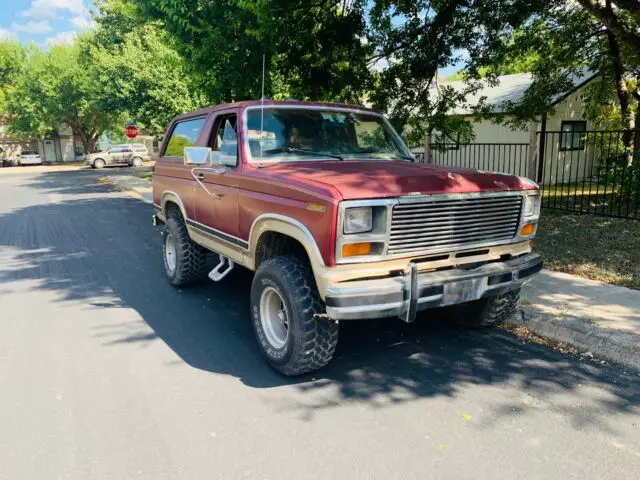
column 304, row 151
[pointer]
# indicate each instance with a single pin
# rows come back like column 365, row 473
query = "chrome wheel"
column 273, row 316
column 170, row 253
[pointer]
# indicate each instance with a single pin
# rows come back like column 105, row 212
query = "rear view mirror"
column 197, row 156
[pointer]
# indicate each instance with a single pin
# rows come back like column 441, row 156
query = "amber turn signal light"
column 527, row 229
column 355, row 249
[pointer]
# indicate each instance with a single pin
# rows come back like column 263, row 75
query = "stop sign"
column 131, row 131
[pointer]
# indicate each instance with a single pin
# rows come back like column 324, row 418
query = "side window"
column 225, row 142
column 116, row 149
column 184, row 134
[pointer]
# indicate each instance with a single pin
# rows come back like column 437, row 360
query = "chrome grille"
column 456, row 223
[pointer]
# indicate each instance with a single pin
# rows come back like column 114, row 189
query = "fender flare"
column 287, row 226
column 173, row 197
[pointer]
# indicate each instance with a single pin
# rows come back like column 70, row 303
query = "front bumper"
column 404, row 295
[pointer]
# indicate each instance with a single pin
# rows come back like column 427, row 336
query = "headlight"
column 358, row 220
column 532, row 205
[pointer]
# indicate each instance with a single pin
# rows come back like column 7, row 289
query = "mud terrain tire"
column 189, row 264
column 486, row 312
column 310, row 337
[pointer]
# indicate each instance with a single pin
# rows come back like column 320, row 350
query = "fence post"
column 426, row 156
column 533, row 151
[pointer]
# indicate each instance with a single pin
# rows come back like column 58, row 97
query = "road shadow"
column 103, row 253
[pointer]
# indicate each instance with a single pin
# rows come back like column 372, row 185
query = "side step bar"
column 218, row 273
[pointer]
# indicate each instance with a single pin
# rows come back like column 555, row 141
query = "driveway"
column 106, row 371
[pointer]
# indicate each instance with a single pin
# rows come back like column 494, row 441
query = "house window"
column 572, row 135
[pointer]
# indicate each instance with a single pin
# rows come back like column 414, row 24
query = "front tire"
column 185, row 262
column 487, row 312
column 99, row 163
column 289, row 319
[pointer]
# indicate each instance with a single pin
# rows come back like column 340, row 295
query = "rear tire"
column 136, row 162
column 185, row 262
column 486, row 312
column 98, row 163
column 289, row 319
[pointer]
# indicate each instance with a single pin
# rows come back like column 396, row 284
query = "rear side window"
column 184, row 134
column 139, row 148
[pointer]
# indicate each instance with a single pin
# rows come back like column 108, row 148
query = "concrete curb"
column 612, row 345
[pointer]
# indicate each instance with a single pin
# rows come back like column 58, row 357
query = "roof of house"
column 510, row 88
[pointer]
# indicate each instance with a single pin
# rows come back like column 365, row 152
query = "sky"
column 44, row 21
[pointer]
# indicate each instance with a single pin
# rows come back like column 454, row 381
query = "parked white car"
column 30, row 157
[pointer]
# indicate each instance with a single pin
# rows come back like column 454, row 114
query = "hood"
column 378, row 179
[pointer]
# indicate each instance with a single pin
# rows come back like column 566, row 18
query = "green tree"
column 623, row 21
column 12, row 56
column 386, row 51
column 314, row 50
column 576, row 43
column 136, row 69
column 56, row 89
column 418, row 37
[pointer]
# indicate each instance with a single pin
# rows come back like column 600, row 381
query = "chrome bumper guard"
column 405, row 295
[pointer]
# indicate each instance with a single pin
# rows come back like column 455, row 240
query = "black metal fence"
column 498, row 157
column 595, row 172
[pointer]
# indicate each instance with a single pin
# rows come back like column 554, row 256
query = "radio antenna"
column 262, row 106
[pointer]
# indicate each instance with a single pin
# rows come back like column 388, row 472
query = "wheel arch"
column 168, row 198
column 272, row 224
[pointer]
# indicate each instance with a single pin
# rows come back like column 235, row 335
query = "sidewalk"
column 135, row 186
column 592, row 316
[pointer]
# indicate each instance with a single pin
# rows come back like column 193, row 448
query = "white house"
column 62, row 146
column 554, row 146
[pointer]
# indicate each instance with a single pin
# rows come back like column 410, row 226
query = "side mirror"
column 197, row 156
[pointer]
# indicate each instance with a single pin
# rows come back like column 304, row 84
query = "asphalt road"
column 108, row 372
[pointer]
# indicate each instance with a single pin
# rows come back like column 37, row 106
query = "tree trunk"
column 624, row 96
column 631, row 6
column 89, row 141
column 636, row 136
column 92, row 140
column 608, row 17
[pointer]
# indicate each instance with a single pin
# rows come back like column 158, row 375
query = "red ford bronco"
column 339, row 222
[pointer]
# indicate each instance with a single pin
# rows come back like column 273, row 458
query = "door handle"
column 200, row 176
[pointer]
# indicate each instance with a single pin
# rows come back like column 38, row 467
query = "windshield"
column 295, row 134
